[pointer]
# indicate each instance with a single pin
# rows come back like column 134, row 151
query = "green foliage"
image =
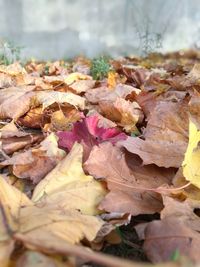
column 9, row 52
column 100, row 68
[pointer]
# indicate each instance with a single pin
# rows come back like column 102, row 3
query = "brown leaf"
column 82, row 86
column 103, row 93
column 35, row 163
column 166, row 136
column 19, row 98
column 164, row 238
column 125, row 113
column 128, row 185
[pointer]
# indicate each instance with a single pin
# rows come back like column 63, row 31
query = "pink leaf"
column 89, row 133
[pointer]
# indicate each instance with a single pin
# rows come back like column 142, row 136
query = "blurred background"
column 49, row 29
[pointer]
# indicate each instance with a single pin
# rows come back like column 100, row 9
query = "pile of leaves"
column 89, row 146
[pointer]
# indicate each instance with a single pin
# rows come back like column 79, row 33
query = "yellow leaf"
column 191, row 163
column 67, row 185
column 75, row 76
column 42, row 225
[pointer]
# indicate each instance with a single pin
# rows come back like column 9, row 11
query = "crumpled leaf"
column 12, row 139
column 191, row 163
column 125, row 113
column 128, row 184
column 67, row 185
column 89, row 133
column 47, row 227
column 82, row 86
column 166, row 136
column 47, row 98
column 96, row 95
column 35, row 163
column 19, row 98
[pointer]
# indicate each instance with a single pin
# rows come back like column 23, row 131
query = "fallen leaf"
column 35, row 163
column 125, row 113
column 131, row 189
column 47, row 98
column 183, row 210
column 19, row 98
column 82, row 86
column 166, row 136
column 163, row 238
column 33, row 259
column 89, row 133
column 191, row 163
column 68, row 186
column 19, row 219
column 96, row 95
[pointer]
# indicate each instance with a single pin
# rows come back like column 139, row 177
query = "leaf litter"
column 91, row 150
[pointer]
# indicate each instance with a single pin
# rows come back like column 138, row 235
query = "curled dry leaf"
column 125, row 113
column 19, row 98
column 89, row 134
column 82, row 86
column 35, row 163
column 55, row 227
column 166, row 136
column 94, row 96
column 131, row 189
column 47, row 98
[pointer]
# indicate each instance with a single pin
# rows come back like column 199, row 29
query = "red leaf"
column 88, row 132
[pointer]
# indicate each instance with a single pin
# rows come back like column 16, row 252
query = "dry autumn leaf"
column 35, row 163
column 125, row 113
column 67, row 185
column 19, row 221
column 166, row 136
column 130, row 187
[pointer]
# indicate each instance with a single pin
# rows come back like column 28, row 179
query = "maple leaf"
column 67, row 185
column 55, row 226
column 88, row 132
column 131, row 188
